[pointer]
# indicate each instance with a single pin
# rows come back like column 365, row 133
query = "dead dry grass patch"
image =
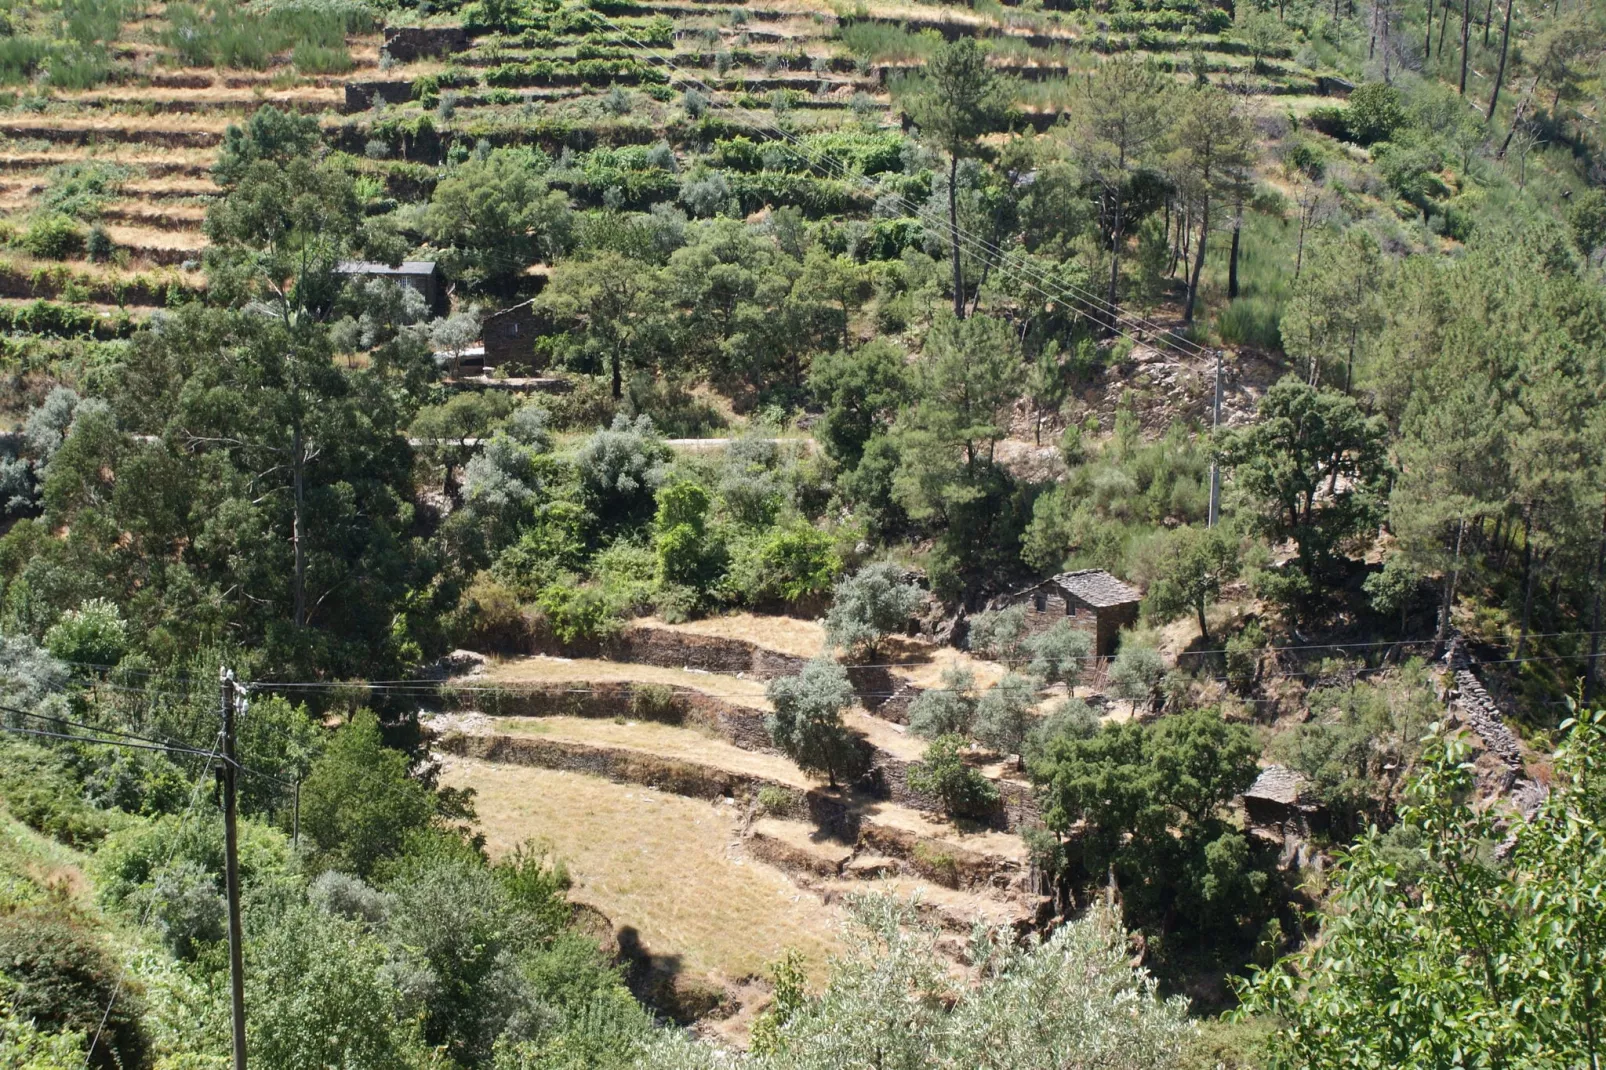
column 788, row 635
column 658, row 740
column 540, row 669
column 670, row 867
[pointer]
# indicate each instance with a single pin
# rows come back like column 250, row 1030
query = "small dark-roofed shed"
column 1090, row 598
column 421, row 275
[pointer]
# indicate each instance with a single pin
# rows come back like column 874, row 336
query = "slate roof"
column 1278, row 784
column 1097, row 588
column 374, row 267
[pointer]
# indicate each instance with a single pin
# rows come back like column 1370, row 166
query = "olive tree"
column 807, row 722
column 871, row 604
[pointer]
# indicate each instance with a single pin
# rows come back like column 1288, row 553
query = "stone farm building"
column 1091, row 599
column 421, row 275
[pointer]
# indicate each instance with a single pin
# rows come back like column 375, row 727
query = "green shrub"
column 788, row 564
column 92, row 636
column 937, row 864
column 53, row 237
column 1251, row 321
column 777, row 802
column 657, row 702
column 577, row 613
column 39, row 788
column 63, row 981
column 963, row 791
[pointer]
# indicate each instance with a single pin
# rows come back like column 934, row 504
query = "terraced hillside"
column 708, row 851
column 105, row 170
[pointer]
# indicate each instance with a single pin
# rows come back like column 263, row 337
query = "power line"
column 150, row 903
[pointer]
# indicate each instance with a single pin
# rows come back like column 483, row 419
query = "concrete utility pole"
column 231, row 866
column 1215, row 467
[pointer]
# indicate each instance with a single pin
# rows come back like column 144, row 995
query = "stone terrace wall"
column 742, row 725
column 407, row 43
column 710, row 653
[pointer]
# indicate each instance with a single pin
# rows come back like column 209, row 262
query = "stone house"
column 1090, row 598
column 509, row 336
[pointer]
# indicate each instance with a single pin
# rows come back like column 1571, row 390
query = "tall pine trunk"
column 1466, row 31
column 1500, row 71
column 298, row 473
column 1115, row 266
column 1527, row 580
column 1232, row 259
column 1427, row 38
column 1198, row 258
column 953, row 234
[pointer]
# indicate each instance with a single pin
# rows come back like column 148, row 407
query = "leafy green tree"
column 874, row 602
column 807, row 721
column 1336, row 306
column 1464, row 953
column 320, row 991
column 1309, row 465
column 1264, row 33
column 860, row 391
column 685, row 556
column 1153, row 799
column 943, row 772
column 1188, row 572
column 1059, row 653
column 614, row 299
column 1395, row 588
column 270, row 135
column 358, row 804
column 959, row 100
column 444, row 429
column 1374, row 113
column 1215, row 148
column 494, row 216
column 967, row 382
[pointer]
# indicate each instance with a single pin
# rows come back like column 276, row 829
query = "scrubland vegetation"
column 839, row 324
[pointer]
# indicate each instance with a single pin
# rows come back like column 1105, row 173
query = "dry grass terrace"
column 669, row 866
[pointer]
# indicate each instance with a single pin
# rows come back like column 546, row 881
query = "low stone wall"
column 623, row 766
column 710, row 653
column 360, row 96
column 404, row 44
column 742, row 725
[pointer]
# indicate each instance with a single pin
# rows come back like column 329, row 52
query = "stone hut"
column 1091, row 599
column 509, row 337
column 1277, row 812
column 421, row 275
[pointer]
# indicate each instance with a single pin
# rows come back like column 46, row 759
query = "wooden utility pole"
column 231, row 866
column 1592, row 669
column 1215, row 466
